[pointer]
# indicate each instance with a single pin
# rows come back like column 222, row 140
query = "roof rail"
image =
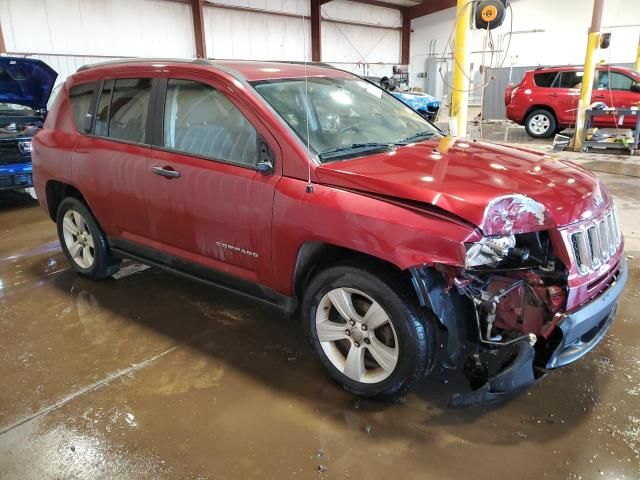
column 125, row 61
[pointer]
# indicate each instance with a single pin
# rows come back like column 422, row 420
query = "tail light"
column 508, row 93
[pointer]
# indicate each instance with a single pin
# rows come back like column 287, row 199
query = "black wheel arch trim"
column 451, row 309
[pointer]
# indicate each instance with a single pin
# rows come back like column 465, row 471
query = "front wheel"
column 369, row 335
column 83, row 243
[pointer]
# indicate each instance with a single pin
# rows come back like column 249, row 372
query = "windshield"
column 347, row 117
column 14, row 109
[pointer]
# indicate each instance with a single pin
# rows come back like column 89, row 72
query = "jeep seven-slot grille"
column 596, row 242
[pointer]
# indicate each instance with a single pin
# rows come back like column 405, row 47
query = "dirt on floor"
column 149, row 376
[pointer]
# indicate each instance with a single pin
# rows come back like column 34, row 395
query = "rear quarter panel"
column 52, row 146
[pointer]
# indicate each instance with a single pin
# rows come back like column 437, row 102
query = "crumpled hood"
column 26, row 81
column 500, row 189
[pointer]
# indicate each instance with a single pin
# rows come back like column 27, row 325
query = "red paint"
column 381, row 205
column 563, row 102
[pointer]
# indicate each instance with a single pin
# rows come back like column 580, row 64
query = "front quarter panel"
column 368, row 225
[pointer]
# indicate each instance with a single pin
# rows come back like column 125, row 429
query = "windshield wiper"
column 418, row 136
column 334, row 152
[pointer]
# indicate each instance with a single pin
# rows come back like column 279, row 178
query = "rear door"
column 109, row 160
column 564, row 94
column 207, row 203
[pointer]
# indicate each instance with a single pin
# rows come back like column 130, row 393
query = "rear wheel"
column 368, row 333
column 83, row 243
column 540, row 124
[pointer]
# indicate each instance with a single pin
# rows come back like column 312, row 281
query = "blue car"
column 423, row 103
column 25, row 87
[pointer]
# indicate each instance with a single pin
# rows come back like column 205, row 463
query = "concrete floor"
column 149, row 376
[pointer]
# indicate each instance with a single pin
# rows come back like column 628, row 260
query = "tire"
column 79, row 231
column 357, row 361
column 541, row 123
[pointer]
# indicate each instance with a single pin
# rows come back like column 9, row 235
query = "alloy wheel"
column 357, row 335
column 78, row 239
column 539, row 124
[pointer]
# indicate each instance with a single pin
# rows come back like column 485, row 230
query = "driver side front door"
column 207, row 203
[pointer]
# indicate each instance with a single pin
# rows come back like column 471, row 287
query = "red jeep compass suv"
column 317, row 191
column 546, row 99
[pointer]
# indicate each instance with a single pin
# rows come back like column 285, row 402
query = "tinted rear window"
column 569, row 79
column 544, row 79
column 80, row 97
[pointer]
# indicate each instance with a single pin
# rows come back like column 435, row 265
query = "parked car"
column 546, row 100
column 315, row 190
column 25, row 86
column 426, row 105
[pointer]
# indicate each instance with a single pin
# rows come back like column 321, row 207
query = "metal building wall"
column 261, row 36
column 361, row 49
column 70, row 33
column 258, row 36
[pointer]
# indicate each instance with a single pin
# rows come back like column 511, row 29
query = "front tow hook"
column 514, row 378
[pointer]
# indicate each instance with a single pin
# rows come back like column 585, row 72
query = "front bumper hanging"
column 582, row 330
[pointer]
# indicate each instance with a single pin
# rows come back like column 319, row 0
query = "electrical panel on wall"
column 489, row 14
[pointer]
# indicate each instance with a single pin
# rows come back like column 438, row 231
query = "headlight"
column 489, row 251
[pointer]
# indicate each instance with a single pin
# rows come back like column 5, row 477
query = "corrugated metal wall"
column 361, row 49
column 258, row 36
column 70, row 33
column 493, row 106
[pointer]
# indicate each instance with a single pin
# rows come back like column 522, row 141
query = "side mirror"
column 265, row 158
column 635, row 87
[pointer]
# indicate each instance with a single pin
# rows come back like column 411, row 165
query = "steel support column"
column 405, row 56
column 460, row 89
column 3, row 47
column 593, row 43
column 637, row 67
column 316, row 34
column 197, row 9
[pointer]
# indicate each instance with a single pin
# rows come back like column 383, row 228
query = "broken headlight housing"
column 489, row 251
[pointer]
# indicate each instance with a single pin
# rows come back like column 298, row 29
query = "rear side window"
column 569, row 79
column 81, row 97
column 122, row 109
column 544, row 79
column 200, row 120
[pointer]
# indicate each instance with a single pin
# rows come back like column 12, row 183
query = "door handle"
column 553, row 94
column 165, row 172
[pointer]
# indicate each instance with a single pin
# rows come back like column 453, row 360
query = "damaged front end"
column 498, row 312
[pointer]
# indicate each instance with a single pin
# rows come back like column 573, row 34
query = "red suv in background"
column 317, row 191
column 546, row 99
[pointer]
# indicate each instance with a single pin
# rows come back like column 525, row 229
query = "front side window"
column 200, row 120
column 346, row 117
column 80, row 97
column 608, row 80
column 122, row 109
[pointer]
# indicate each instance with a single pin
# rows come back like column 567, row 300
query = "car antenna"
column 306, row 98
